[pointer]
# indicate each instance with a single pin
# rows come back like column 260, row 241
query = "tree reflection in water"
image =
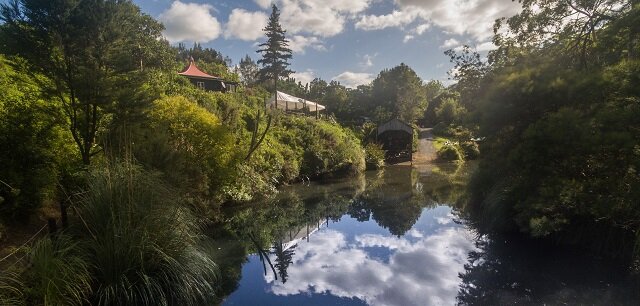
column 284, row 257
column 512, row 271
column 394, row 198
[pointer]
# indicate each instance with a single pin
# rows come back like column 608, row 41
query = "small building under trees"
column 396, row 137
column 206, row 81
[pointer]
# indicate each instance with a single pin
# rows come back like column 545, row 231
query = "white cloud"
column 263, row 3
column 190, row 22
column 304, row 77
column 351, row 6
column 415, row 233
column 245, row 25
column 420, row 271
column 407, row 38
column 367, row 60
column 378, row 22
column 486, row 46
column 460, row 17
column 299, row 43
column 422, row 28
column 450, row 43
column 353, row 79
column 323, row 18
column 457, row 46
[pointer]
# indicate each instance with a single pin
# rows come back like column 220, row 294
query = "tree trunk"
column 86, row 158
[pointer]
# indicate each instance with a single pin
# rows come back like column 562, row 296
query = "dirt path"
column 426, row 151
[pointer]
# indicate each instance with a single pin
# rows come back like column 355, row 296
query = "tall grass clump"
column 145, row 248
column 58, row 272
column 130, row 242
column 10, row 289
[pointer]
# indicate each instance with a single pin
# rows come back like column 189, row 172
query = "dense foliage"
column 84, row 48
column 558, row 103
column 32, row 129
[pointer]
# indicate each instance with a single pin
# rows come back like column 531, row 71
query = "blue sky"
column 345, row 40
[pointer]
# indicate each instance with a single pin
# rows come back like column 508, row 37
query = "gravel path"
column 426, row 151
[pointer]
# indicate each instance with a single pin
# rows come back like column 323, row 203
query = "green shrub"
column 132, row 243
column 470, row 149
column 329, row 148
column 449, row 152
column 374, row 156
column 440, row 129
column 250, row 183
column 457, row 132
column 189, row 144
column 34, row 143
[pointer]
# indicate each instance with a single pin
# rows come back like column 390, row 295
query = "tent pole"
column 275, row 86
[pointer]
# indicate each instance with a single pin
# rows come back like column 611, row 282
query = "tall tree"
column 398, row 93
column 95, row 52
column 336, row 99
column 574, row 23
column 200, row 54
column 275, row 55
column 317, row 89
column 561, row 149
column 432, row 89
column 469, row 70
column 275, row 51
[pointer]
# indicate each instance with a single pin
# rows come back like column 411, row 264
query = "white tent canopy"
column 290, row 102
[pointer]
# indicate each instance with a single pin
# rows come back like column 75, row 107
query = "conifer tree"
column 275, row 51
column 275, row 55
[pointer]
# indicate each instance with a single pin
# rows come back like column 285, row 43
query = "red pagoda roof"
column 193, row 71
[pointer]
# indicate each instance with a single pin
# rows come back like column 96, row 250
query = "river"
column 397, row 237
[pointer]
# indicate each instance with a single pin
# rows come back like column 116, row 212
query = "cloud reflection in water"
column 422, row 269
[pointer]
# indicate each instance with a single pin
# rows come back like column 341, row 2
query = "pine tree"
column 275, row 55
column 275, row 51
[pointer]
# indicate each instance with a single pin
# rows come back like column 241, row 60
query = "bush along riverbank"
column 560, row 115
column 455, row 143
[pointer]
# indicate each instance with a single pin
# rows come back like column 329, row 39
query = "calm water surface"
column 396, row 237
